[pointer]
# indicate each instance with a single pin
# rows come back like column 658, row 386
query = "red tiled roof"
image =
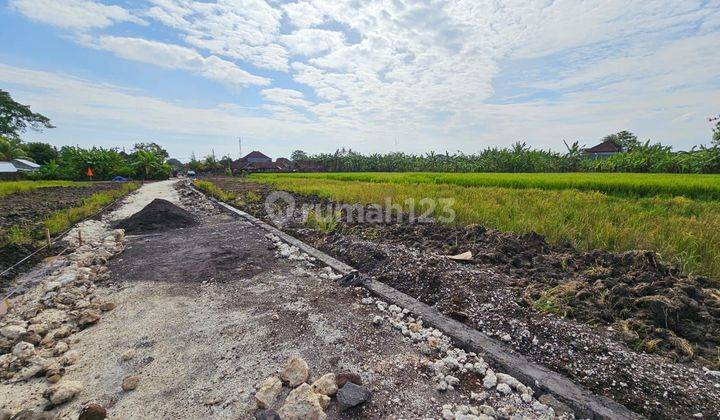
column 256, row 154
column 608, row 146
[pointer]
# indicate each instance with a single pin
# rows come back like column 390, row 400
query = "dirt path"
column 203, row 315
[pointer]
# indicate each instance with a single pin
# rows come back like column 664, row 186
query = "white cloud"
column 74, row 14
column 239, row 29
column 465, row 73
column 311, row 42
column 171, row 56
column 288, row 97
column 303, row 14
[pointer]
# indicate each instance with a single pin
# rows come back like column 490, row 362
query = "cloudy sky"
column 374, row 76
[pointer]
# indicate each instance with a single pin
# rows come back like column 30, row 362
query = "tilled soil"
column 531, row 294
column 29, row 209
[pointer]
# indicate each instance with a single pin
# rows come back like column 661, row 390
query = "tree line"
column 145, row 160
column 636, row 156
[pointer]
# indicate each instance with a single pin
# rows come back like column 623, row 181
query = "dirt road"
column 205, row 314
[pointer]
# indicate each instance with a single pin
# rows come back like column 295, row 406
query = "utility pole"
column 240, row 146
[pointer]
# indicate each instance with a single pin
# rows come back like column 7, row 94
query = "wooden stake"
column 47, row 236
column 79, row 237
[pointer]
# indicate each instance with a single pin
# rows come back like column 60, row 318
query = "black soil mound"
column 158, row 216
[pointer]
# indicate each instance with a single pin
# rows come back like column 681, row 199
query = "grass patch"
column 684, row 231
column 12, row 187
column 214, row 191
column 326, row 223
column 705, row 187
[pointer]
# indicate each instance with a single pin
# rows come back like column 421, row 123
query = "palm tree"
column 146, row 162
column 10, row 149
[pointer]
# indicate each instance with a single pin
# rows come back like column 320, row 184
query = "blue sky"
column 324, row 74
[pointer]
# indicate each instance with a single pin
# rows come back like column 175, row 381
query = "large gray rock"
column 352, row 395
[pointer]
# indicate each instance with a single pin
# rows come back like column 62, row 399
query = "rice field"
column 677, row 216
column 704, row 187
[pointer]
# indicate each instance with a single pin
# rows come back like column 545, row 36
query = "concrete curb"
column 585, row 403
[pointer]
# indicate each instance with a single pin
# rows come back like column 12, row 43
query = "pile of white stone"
column 36, row 335
column 447, row 363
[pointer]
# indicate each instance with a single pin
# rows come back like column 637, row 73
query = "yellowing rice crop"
column 685, row 231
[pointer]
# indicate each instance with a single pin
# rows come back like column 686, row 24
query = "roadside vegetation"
column 684, row 231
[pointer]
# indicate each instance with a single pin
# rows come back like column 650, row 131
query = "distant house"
column 8, row 170
column 25, row 165
column 285, row 163
column 308, row 166
column 604, row 149
column 259, row 162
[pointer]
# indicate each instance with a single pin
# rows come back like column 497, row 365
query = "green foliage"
column 625, row 139
column 684, row 231
column 326, row 223
column 40, row 153
column 15, row 118
column 298, row 155
column 11, row 149
column 519, row 158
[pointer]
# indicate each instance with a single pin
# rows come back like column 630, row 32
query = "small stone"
column 130, row 382
column 62, row 332
column 342, row 378
column 93, row 412
column 414, row 327
column 12, row 331
column 295, row 371
column 377, row 321
column 70, row 357
column 63, row 392
column 275, row 317
column 490, row 380
column 504, row 389
column 61, row 347
column 302, row 403
column 23, row 350
column 479, row 397
column 128, row 354
column 107, row 306
column 325, row 385
column 433, row 342
column 352, row 395
column 268, row 392
column 88, row 317
column 506, row 337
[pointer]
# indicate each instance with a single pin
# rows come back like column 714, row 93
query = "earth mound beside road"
column 160, row 215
